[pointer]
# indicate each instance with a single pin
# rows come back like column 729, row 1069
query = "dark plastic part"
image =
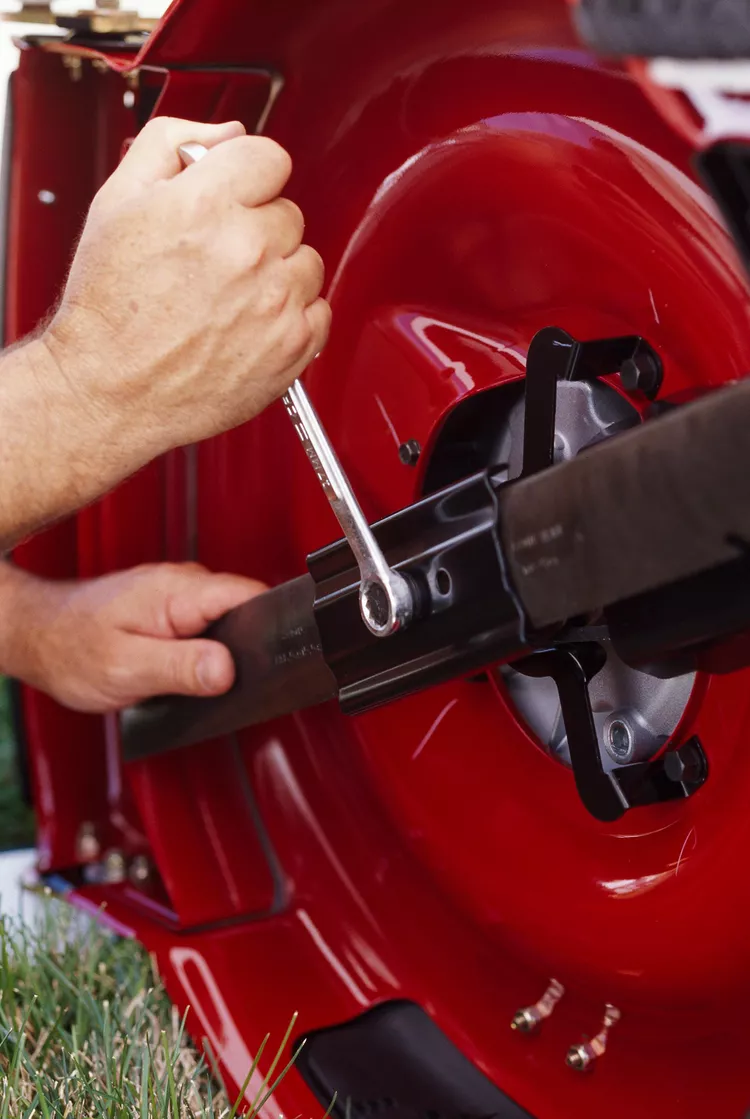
column 673, row 28
column 394, row 1062
column 409, row 452
column 467, row 616
column 725, row 168
column 609, row 795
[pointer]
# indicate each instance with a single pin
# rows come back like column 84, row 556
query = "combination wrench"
column 386, row 600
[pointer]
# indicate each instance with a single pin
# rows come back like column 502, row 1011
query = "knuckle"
column 312, row 265
column 159, row 127
column 117, row 671
column 190, row 567
column 274, row 297
column 240, row 245
column 297, row 337
column 292, row 213
column 319, row 318
column 324, row 317
column 266, row 149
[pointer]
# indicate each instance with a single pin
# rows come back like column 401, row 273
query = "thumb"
column 153, row 155
column 183, row 667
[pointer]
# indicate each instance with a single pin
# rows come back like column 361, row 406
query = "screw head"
column 87, row 843
column 578, row 1058
column 115, row 867
column 140, row 869
column 641, row 372
column 525, row 1020
column 409, row 452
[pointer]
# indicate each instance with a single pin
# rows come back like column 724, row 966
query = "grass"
column 86, row 1028
column 16, row 818
column 87, row 1032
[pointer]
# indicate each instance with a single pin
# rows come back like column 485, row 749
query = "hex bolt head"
column 409, row 452
column 642, row 372
column 115, row 868
column 140, row 869
column 579, row 1057
column 686, row 764
column 375, row 606
column 525, row 1020
column 87, row 843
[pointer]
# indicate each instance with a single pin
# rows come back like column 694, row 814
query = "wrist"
column 24, row 602
column 61, row 446
column 76, row 358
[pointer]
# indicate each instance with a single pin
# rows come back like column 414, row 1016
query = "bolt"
column 115, row 867
column 409, row 452
column 686, row 764
column 140, row 869
column 526, row 1020
column 87, row 844
column 74, row 65
column 619, row 740
column 641, row 372
column 375, row 605
column 579, row 1058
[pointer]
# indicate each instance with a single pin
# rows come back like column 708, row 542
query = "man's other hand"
column 104, row 644
column 192, row 302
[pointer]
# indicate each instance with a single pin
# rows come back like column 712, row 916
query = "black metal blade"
column 280, row 668
column 635, row 513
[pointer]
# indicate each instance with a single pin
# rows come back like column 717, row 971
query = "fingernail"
column 210, row 673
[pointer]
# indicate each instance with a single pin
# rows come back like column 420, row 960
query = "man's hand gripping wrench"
column 386, row 600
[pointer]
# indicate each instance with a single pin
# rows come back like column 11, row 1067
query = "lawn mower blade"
column 653, row 506
column 645, row 510
column 280, row 668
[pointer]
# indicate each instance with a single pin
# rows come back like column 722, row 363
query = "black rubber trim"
column 395, row 1062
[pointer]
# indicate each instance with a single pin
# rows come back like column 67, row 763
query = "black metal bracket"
column 608, row 795
column 556, row 356
column 466, row 617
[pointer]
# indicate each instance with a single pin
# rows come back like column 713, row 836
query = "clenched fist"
column 192, row 302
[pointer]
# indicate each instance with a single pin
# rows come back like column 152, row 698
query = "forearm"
column 57, row 451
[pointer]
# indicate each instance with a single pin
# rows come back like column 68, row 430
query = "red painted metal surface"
column 469, row 175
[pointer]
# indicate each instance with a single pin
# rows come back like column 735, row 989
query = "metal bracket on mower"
column 607, row 796
column 554, row 356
